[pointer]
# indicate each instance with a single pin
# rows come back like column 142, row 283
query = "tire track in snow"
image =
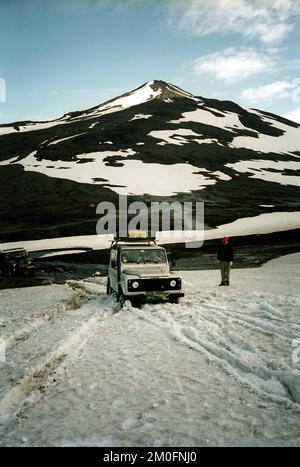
column 262, row 380
column 256, row 324
column 47, row 373
column 14, row 337
column 232, row 342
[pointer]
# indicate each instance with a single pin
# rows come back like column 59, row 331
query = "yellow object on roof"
column 137, row 234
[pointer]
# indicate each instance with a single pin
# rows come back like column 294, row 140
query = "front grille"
column 153, row 285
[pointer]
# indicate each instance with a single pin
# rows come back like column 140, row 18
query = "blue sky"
column 62, row 55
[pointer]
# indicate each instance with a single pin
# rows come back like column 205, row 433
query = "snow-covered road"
column 221, row 368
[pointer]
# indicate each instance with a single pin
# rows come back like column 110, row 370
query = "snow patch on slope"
column 140, row 116
column 173, row 136
column 65, row 139
column 286, row 143
column 177, row 137
column 227, row 120
column 139, row 96
column 32, row 126
column 259, row 169
column 163, row 180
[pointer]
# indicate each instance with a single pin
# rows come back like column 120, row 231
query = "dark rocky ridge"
column 33, row 205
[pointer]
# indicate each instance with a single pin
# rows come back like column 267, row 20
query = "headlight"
column 173, row 283
column 135, row 285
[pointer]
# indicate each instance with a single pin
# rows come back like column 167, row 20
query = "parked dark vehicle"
column 15, row 262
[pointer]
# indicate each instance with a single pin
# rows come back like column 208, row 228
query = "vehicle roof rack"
column 133, row 239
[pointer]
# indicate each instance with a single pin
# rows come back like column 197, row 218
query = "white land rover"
column 139, row 271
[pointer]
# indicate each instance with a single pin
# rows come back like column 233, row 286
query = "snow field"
column 216, row 369
column 261, row 224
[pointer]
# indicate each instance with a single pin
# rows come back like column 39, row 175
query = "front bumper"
column 23, row 269
column 155, row 296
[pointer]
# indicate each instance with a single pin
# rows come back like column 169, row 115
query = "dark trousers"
column 225, row 270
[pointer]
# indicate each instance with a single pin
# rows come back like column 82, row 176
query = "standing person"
column 225, row 259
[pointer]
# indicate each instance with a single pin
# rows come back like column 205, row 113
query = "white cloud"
column 275, row 91
column 234, row 64
column 267, row 20
column 294, row 115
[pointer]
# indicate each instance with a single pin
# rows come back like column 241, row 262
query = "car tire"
column 135, row 302
column 121, row 298
column 175, row 300
column 108, row 288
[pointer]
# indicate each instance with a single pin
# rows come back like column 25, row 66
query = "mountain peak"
column 154, row 89
column 168, row 90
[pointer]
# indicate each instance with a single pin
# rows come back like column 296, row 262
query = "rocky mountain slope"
column 157, row 142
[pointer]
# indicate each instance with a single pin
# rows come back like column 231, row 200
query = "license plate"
column 156, row 295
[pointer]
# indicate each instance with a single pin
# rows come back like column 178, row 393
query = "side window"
column 113, row 257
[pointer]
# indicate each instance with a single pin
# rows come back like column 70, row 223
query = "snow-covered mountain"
column 155, row 142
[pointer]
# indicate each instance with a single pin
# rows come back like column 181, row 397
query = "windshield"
column 154, row 256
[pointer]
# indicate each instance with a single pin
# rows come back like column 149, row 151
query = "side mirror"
column 171, row 261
